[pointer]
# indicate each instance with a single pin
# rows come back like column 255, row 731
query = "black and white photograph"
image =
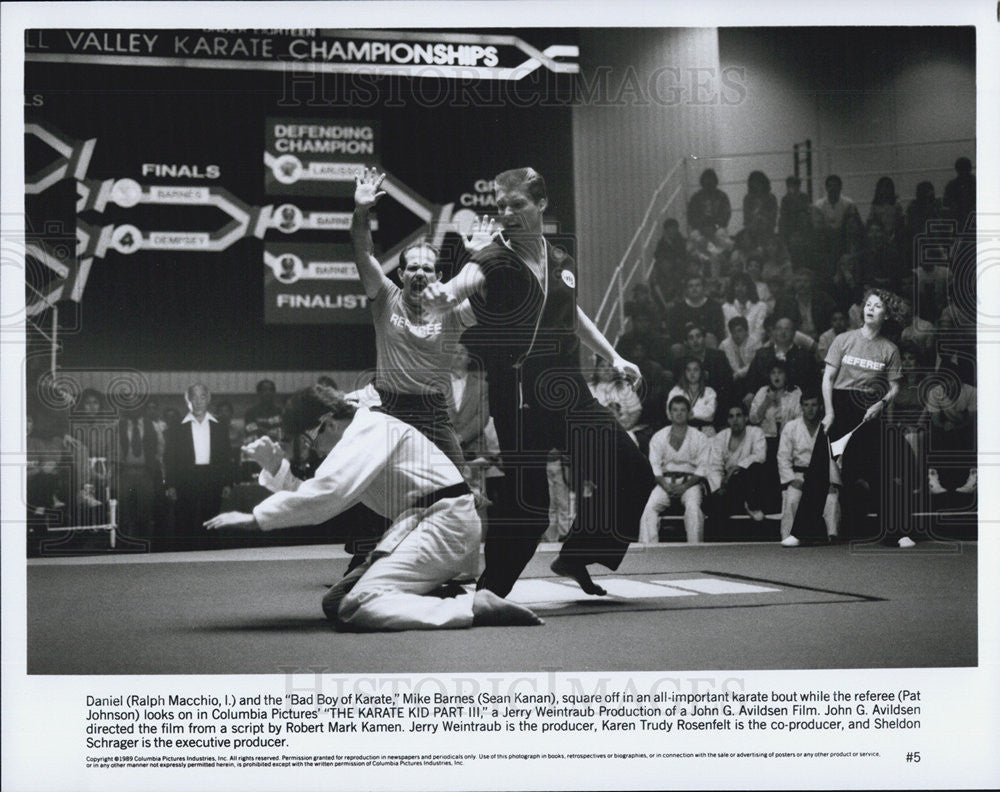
column 569, row 398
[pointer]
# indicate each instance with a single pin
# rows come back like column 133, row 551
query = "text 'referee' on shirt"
column 863, row 363
column 413, row 352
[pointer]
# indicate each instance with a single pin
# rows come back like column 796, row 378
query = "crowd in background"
column 736, row 322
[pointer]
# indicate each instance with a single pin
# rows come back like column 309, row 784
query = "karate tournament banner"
column 180, row 184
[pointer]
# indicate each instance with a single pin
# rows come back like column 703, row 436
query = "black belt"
column 800, row 468
column 454, row 491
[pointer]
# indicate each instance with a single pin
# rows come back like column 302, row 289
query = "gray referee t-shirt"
column 414, row 352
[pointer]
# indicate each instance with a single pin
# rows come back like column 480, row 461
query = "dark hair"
column 708, row 175
column 305, row 407
column 757, row 182
column 738, row 321
column 810, row 392
column 963, row 165
column 264, row 383
column 777, row 363
column 527, row 179
column 885, row 191
column 682, row 399
column 737, row 404
column 692, row 326
column 925, row 191
column 793, row 180
column 914, row 349
column 747, row 281
column 89, row 393
column 671, row 222
column 325, row 379
column 833, row 177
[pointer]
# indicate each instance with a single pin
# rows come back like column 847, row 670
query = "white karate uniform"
column 691, row 458
column 795, row 450
column 388, row 465
column 722, row 459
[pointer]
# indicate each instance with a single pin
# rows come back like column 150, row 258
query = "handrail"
column 635, row 236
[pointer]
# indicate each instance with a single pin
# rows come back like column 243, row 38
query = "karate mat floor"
column 671, row 607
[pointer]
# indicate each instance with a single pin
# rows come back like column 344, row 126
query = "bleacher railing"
column 859, row 166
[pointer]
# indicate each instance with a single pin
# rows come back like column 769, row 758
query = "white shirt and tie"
column 201, row 436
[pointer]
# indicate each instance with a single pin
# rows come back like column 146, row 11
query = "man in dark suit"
column 196, row 462
column 138, row 470
column 799, row 363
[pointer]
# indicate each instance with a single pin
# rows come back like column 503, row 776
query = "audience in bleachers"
column 787, row 297
column 730, row 335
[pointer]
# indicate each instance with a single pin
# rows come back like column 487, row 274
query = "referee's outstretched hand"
column 366, row 190
column 436, row 296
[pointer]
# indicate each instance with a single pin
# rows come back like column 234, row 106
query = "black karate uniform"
column 539, row 400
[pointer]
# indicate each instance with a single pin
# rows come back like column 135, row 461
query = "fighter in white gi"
column 392, row 468
column 794, row 453
column 679, row 455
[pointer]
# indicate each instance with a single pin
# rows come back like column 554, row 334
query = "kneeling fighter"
column 378, row 460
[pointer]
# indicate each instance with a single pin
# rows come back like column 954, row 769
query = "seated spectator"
column 641, row 298
column 137, row 473
column 807, row 306
column 931, row 285
column 736, row 472
column 795, row 452
column 758, row 240
column 612, row 391
column 906, row 410
column 916, row 330
column 924, row 208
column 234, row 430
column 47, row 460
column 669, row 261
column 800, row 363
column 709, row 209
column 794, row 216
column 742, row 300
column 469, row 408
column 838, row 325
column 753, row 269
column 713, row 362
column 709, row 257
column 643, row 326
column 886, row 228
column 696, row 308
column 739, row 349
column 652, row 392
column 951, row 407
column 830, row 215
column 773, row 407
column 679, row 455
column 702, row 398
column 775, row 404
column 263, row 418
column 93, row 433
column 759, row 202
column 960, row 195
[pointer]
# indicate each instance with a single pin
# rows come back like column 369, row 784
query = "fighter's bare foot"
column 577, row 571
column 489, row 610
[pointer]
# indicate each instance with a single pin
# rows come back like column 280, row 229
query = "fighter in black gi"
column 523, row 293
